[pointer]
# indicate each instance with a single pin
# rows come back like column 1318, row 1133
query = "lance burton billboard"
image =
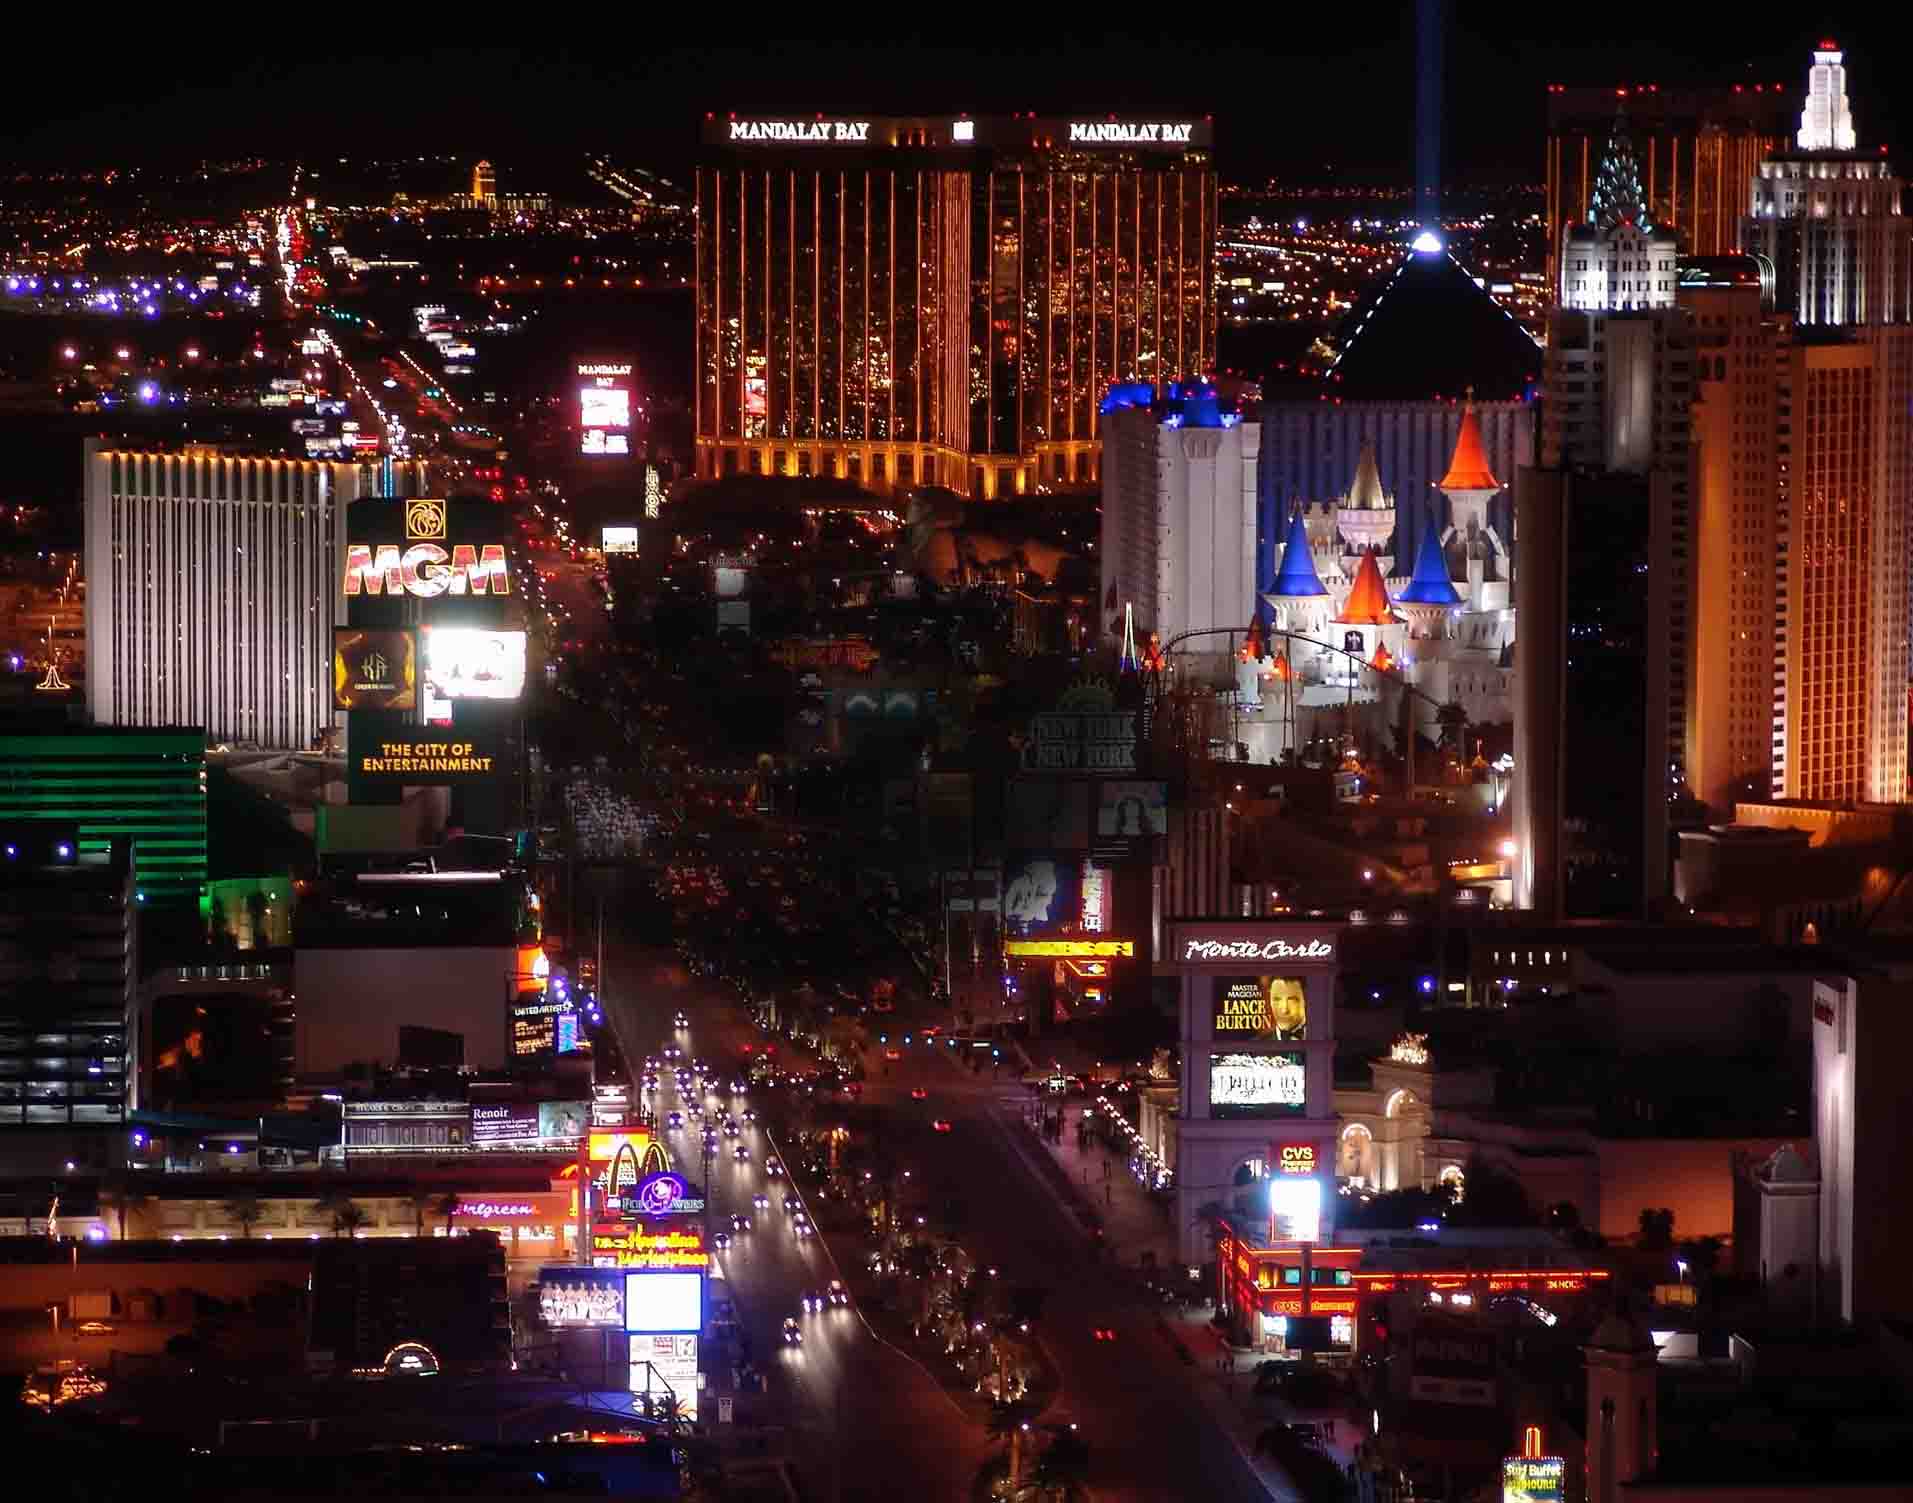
column 1262, row 1007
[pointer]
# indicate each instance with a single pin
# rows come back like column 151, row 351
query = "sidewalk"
column 1221, row 1375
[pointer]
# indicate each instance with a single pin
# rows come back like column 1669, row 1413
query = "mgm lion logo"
column 424, row 520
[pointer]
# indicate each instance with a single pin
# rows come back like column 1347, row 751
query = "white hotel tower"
column 213, row 586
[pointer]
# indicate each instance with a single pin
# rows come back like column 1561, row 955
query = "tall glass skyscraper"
column 943, row 301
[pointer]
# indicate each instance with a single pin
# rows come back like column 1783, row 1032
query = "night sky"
column 1311, row 107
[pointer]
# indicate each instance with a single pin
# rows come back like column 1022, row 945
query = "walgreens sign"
column 426, row 570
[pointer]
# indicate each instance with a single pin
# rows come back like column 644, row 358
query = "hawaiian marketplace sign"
column 676, row 1246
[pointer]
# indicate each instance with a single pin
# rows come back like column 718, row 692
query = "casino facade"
column 943, row 300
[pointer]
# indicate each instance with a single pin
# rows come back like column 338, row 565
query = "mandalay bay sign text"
column 851, row 132
column 1131, row 132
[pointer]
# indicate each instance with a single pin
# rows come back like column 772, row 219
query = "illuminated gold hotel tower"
column 943, row 300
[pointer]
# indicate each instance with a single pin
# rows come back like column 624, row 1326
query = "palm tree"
column 122, row 1195
column 244, row 1208
column 347, row 1217
column 446, row 1206
column 331, row 1201
column 665, row 1407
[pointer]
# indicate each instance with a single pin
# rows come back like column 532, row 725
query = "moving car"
column 917, row 1093
column 682, row 1020
column 942, row 1124
column 837, row 1294
column 741, row 1154
column 792, row 1204
column 793, row 1333
column 721, row 1241
column 760, row 1202
column 812, row 1302
column 773, row 1165
column 740, row 1223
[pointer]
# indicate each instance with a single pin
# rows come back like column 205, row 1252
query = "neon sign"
column 1131, row 133
column 494, row 1208
column 1250, row 949
column 857, row 131
column 1068, row 949
column 633, row 1247
column 658, row 1194
column 1296, row 1158
column 426, row 570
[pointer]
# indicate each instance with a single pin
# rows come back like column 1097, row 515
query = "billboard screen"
column 1042, row 893
column 604, row 407
column 598, row 408
column 559, row 1120
column 1295, row 1209
column 1257, row 1085
column 1533, row 1479
column 1259, row 1007
column 504, row 1121
column 660, row 1304
column 1131, row 808
column 373, row 670
column 581, row 1297
column 465, row 662
column 618, row 539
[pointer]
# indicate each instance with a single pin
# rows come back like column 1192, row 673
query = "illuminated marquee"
column 486, row 1208
column 426, row 570
column 1251, row 949
column 809, row 131
column 617, row 1245
column 1296, row 1158
column 1068, row 949
column 1131, row 132
column 398, row 759
column 604, row 370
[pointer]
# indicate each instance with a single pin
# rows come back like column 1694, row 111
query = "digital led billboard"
column 1257, row 1085
column 1041, row 893
column 464, row 662
column 1259, row 1007
column 1295, row 1209
column 604, row 407
column 661, row 1304
column 373, row 670
column 504, row 1121
column 581, row 1297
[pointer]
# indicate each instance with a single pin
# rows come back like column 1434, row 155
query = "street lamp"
column 1681, row 1264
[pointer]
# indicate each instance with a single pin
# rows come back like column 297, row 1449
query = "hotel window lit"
column 908, row 297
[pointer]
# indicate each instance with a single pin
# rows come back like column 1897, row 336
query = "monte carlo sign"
column 1197, row 948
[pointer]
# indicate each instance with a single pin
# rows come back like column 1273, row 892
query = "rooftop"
column 1429, row 333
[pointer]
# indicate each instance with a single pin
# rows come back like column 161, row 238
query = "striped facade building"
column 213, row 587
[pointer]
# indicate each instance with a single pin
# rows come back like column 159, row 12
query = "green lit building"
column 147, row 786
